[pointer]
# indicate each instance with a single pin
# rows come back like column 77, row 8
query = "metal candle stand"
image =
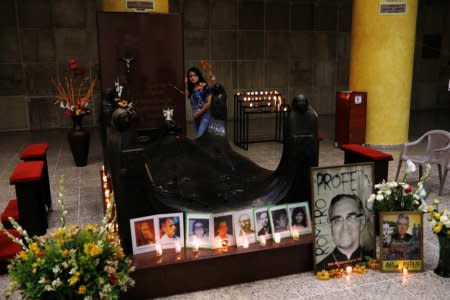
column 257, row 103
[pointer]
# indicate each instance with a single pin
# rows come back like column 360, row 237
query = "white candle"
column 245, row 243
column 262, row 240
column 405, row 271
column 348, row 270
column 177, row 247
column 277, row 238
column 195, row 245
column 158, row 249
column 295, row 234
column 105, row 179
column 107, row 193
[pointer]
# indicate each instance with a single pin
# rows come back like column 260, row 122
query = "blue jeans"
column 202, row 123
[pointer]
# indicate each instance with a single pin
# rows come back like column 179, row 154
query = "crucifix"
column 127, row 61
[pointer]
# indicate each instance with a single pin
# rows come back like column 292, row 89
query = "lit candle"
column 245, row 243
column 405, row 271
column 262, row 240
column 251, row 104
column 348, row 270
column 285, row 109
column 295, row 234
column 105, row 179
column 103, row 168
column 177, row 247
column 106, row 193
column 195, row 245
column 159, row 250
column 277, row 238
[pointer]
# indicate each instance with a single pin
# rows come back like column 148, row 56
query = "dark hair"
column 163, row 221
column 200, row 221
column 402, row 216
column 295, row 212
column 340, row 197
column 219, row 220
column 200, row 79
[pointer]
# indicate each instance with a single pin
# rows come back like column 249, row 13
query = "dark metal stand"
column 244, row 108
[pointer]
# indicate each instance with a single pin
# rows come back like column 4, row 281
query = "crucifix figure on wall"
column 127, row 61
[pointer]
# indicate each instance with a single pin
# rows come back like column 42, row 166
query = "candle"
column 295, row 234
column 405, row 271
column 103, row 168
column 245, row 243
column 195, row 245
column 106, row 193
column 177, row 247
column 262, row 240
column 277, row 238
column 348, row 270
column 105, row 179
column 159, row 250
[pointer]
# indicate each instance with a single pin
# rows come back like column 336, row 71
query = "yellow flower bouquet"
column 71, row 262
column 439, row 219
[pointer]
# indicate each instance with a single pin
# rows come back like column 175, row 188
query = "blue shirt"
column 198, row 98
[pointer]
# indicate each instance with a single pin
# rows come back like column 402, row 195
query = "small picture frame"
column 262, row 221
column 169, row 229
column 198, row 230
column 401, row 242
column 223, row 234
column 279, row 220
column 143, row 237
column 299, row 218
column 244, row 226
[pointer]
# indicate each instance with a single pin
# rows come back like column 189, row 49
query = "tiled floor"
column 82, row 197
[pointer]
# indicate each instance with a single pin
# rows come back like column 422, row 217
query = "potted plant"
column 71, row 262
column 440, row 225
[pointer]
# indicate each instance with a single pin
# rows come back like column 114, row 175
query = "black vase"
column 79, row 142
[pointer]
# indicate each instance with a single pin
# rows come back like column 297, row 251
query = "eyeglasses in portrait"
column 198, row 230
column 342, row 224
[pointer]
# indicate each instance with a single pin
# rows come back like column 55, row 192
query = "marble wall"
column 295, row 46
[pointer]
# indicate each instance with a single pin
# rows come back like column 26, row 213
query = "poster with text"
column 343, row 227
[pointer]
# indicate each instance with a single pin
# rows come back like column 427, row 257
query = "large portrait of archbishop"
column 343, row 227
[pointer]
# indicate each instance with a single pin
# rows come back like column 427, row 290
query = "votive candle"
column 262, row 240
column 277, row 238
column 195, row 245
column 245, row 243
column 159, row 250
column 177, row 247
column 295, row 234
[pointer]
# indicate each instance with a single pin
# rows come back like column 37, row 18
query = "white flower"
column 444, row 218
column 447, row 224
column 423, row 206
column 379, row 197
column 48, row 287
column 411, row 166
column 393, row 184
column 422, row 193
column 417, row 197
column 42, row 280
column 388, row 192
column 56, row 269
column 56, row 282
column 378, row 185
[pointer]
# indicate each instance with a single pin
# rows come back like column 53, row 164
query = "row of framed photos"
column 210, row 230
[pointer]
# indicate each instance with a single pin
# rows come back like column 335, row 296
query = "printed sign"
column 393, row 7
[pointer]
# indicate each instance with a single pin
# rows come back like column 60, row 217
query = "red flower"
column 113, row 280
column 408, row 189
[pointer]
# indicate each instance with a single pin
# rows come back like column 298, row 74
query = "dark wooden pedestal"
column 186, row 272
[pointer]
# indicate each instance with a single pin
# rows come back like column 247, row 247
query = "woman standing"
column 199, row 94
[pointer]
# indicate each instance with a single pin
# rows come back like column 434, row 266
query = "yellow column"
column 160, row 6
column 381, row 63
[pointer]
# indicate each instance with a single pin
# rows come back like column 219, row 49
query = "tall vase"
column 443, row 267
column 79, row 142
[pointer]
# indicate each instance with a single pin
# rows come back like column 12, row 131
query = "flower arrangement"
column 73, row 97
column 439, row 219
column 394, row 196
column 72, row 262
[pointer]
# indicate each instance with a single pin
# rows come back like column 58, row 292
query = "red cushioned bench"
column 355, row 153
column 30, row 192
column 35, row 152
column 12, row 211
column 8, row 249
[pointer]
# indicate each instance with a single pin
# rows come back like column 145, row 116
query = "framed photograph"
column 279, row 220
column 401, row 241
column 143, row 237
column 300, row 218
column 244, row 226
column 223, row 230
column 198, row 230
column 262, row 221
column 169, row 229
column 343, row 227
